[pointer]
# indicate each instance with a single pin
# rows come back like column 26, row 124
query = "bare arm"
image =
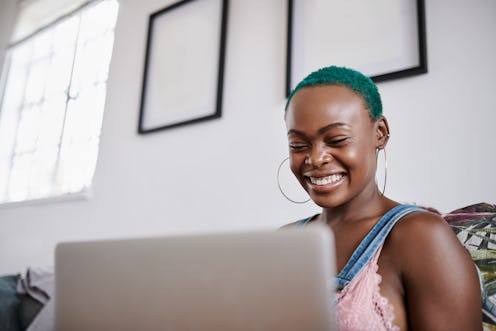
column 440, row 280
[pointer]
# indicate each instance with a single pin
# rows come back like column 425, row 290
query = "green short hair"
column 350, row 78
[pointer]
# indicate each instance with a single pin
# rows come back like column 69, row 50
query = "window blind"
column 35, row 15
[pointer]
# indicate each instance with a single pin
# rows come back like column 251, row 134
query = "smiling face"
column 333, row 143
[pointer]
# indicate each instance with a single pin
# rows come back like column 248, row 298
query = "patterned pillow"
column 475, row 226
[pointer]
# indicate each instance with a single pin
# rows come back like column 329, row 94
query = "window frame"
column 57, row 193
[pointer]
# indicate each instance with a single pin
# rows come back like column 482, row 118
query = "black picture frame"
column 187, row 89
column 415, row 68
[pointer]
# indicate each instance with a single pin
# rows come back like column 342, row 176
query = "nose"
column 318, row 156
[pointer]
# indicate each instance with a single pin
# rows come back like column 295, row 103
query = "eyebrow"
column 320, row 131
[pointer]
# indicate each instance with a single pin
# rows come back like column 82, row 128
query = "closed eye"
column 297, row 147
column 337, row 141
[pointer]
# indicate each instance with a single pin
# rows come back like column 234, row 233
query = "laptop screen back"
column 239, row 281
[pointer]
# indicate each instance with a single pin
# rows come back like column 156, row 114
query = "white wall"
column 220, row 175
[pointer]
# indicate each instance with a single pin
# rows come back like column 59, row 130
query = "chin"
column 327, row 202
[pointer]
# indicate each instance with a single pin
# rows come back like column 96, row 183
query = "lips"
column 320, row 181
column 324, row 182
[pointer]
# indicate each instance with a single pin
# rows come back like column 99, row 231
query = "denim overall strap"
column 372, row 241
column 304, row 221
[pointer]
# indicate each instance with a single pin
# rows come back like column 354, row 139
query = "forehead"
column 314, row 107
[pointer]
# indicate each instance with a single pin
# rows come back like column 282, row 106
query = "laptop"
column 244, row 281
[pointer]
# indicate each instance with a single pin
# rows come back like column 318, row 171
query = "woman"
column 410, row 271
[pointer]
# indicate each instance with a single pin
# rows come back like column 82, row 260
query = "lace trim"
column 360, row 305
column 381, row 304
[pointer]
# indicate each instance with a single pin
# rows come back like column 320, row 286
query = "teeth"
column 325, row 180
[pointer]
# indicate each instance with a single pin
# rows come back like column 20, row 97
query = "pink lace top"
column 360, row 306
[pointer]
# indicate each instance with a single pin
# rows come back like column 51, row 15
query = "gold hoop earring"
column 279, row 184
column 385, row 168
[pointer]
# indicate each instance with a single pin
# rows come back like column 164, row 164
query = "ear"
column 381, row 132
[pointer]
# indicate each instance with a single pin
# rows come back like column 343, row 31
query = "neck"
column 367, row 205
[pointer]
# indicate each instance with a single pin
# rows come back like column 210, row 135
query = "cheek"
column 292, row 164
column 366, row 163
column 361, row 160
column 295, row 162
column 354, row 157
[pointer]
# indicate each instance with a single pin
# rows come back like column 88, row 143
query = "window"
column 52, row 101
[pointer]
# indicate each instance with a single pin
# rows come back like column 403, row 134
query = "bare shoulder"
column 422, row 239
column 436, row 271
column 422, row 229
